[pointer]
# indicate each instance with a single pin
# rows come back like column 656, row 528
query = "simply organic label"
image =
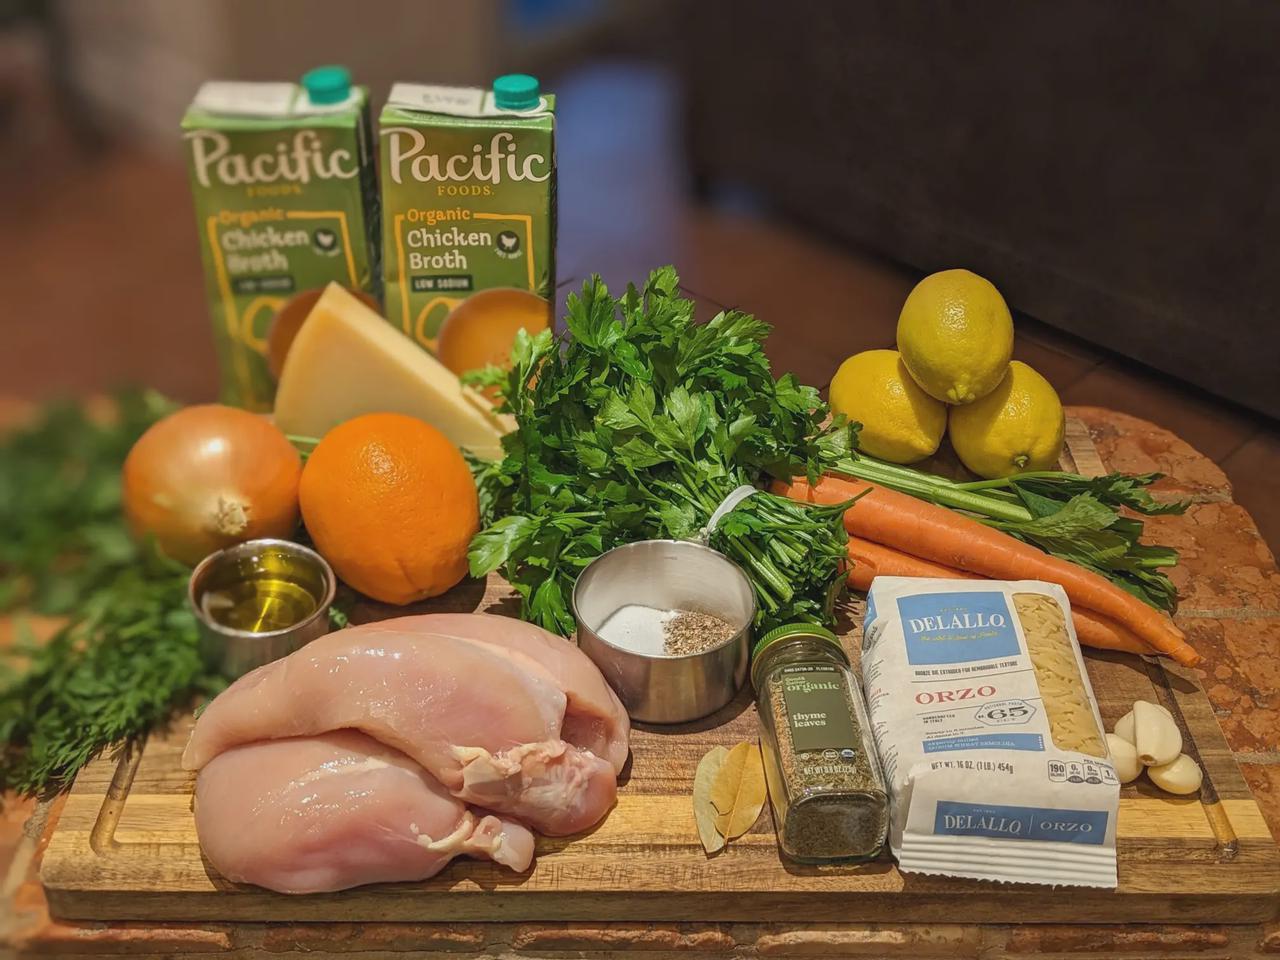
column 818, row 712
column 284, row 205
column 468, row 204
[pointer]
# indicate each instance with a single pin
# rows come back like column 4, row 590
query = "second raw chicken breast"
column 316, row 814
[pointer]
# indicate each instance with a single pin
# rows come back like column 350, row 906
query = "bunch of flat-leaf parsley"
column 636, row 425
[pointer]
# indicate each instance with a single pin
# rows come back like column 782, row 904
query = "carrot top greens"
column 1066, row 515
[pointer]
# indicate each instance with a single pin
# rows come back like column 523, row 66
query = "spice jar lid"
column 787, row 632
column 795, row 630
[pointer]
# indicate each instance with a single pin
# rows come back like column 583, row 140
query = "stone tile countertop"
column 1230, row 609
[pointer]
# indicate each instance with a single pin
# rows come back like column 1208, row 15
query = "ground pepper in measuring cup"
column 828, row 796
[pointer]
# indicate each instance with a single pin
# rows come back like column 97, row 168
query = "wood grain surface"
column 125, row 846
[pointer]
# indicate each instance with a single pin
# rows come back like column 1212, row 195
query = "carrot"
column 944, row 536
column 871, row 560
column 1095, row 630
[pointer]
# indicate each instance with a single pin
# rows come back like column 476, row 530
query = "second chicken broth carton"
column 468, row 180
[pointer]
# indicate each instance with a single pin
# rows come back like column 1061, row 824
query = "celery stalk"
column 935, row 489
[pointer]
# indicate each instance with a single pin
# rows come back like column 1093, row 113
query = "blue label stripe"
column 958, row 627
column 1020, row 823
column 987, row 741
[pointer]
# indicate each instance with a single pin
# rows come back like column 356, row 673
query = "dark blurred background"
column 1110, row 167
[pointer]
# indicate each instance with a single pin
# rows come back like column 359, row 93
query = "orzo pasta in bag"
column 988, row 732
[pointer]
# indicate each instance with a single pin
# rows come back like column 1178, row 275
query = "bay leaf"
column 704, row 811
column 738, row 792
column 725, row 787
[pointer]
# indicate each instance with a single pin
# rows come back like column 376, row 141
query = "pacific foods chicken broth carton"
column 286, row 201
column 469, row 212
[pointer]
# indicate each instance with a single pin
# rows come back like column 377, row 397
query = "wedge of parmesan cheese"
column 347, row 361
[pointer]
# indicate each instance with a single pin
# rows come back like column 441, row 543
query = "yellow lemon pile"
column 953, row 368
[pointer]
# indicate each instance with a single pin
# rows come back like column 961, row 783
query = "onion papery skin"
column 210, row 476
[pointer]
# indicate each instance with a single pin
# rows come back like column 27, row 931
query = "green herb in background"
column 60, row 501
column 636, row 426
column 127, row 654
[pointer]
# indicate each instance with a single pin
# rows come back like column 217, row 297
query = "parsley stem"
column 761, row 565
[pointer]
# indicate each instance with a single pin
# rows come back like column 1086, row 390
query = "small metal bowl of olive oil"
column 259, row 601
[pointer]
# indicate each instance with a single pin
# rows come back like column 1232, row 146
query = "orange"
column 481, row 329
column 390, row 503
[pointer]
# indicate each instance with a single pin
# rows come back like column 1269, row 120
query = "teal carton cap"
column 328, row 84
column 516, row 91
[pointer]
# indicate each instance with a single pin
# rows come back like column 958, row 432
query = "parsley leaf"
column 636, row 425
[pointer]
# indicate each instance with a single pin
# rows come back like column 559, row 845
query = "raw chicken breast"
column 325, row 813
column 481, row 718
column 594, row 717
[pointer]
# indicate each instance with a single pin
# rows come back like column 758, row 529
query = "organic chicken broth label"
column 285, row 198
column 469, row 204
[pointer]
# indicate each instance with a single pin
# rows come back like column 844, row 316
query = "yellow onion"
column 209, row 476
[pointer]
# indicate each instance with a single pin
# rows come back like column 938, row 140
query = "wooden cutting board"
column 125, row 847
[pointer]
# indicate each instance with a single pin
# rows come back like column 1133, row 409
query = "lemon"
column 1017, row 427
column 900, row 422
column 955, row 335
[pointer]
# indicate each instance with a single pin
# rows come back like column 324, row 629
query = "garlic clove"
column 1182, row 775
column 1155, row 736
column 1124, row 726
column 1124, row 757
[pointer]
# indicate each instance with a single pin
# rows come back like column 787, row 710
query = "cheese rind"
column 347, row 361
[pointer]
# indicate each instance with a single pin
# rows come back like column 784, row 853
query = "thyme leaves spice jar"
column 825, row 786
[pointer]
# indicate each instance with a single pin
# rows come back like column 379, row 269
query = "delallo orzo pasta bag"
column 990, row 738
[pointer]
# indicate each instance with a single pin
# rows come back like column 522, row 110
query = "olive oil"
column 261, row 588
column 259, row 605
column 259, row 601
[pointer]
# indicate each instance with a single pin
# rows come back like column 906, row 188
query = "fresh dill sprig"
column 126, row 654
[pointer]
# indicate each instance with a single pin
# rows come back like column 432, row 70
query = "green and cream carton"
column 468, row 180
column 285, row 190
